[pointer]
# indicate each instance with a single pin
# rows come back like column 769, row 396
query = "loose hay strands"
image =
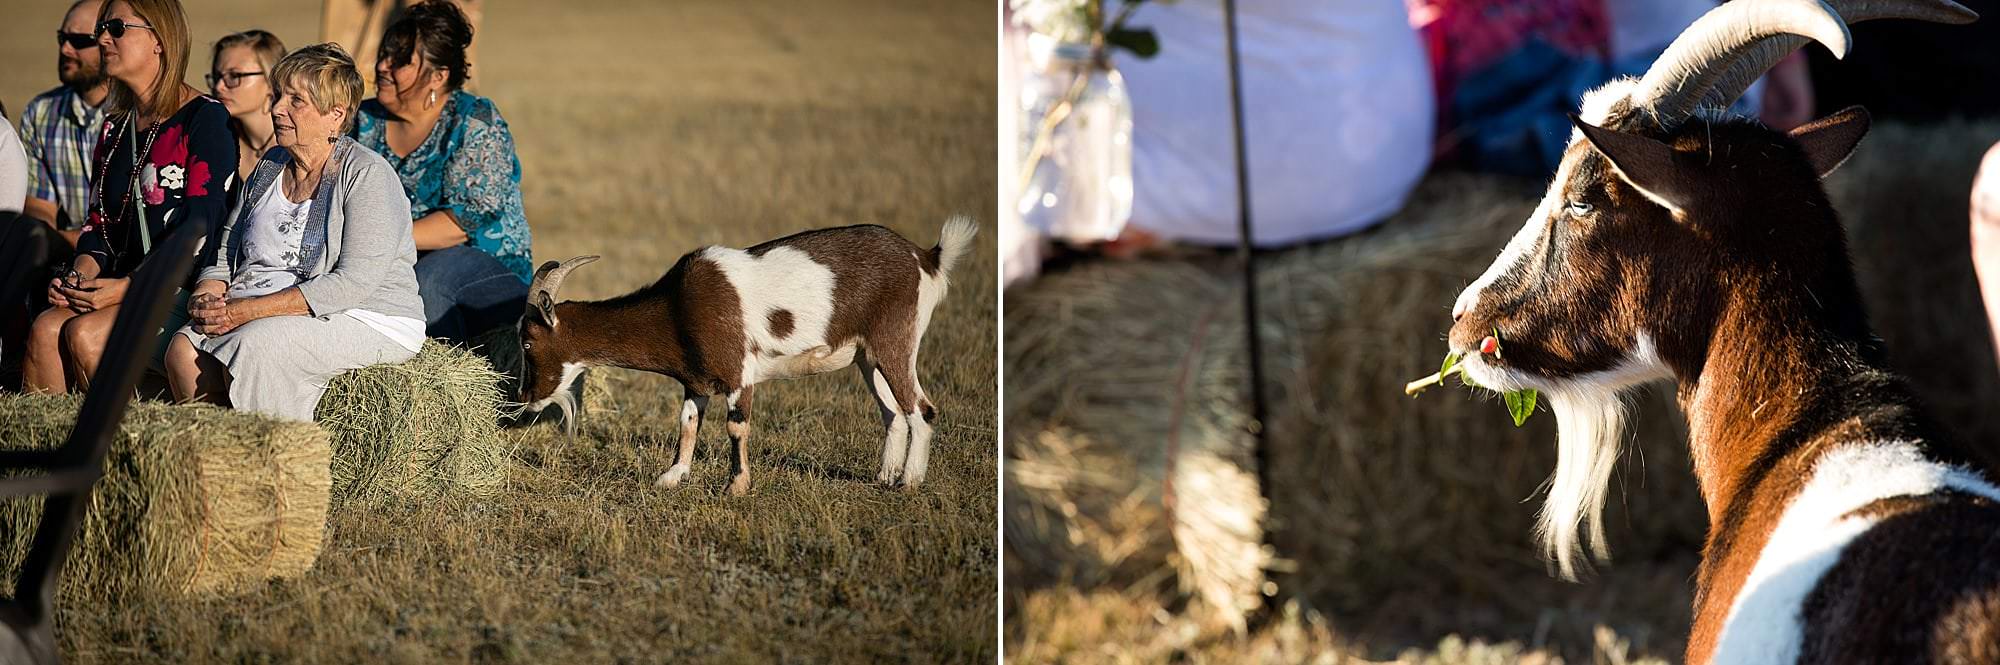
column 416, row 429
column 194, row 499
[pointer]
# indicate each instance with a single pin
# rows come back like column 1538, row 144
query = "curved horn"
column 548, row 278
column 1751, row 63
column 1675, row 83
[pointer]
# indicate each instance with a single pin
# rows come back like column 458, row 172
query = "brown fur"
column 781, row 324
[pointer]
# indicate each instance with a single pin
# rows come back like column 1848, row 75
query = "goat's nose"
column 1457, row 312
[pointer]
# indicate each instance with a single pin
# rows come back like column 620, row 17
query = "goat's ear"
column 1829, row 141
column 544, row 305
column 1646, row 164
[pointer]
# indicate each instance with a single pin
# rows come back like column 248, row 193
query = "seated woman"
column 455, row 155
column 165, row 159
column 313, row 274
column 239, row 76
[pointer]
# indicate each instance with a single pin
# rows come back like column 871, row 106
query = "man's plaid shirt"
column 60, row 132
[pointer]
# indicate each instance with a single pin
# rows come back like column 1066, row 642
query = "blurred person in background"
column 1986, row 237
column 356, row 25
column 1510, row 72
column 456, row 158
column 239, row 75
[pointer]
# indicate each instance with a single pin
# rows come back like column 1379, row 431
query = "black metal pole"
column 1246, row 251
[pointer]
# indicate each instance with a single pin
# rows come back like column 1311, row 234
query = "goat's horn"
column 549, row 278
column 1752, row 62
column 1676, row 82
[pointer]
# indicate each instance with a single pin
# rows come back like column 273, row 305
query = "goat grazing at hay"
column 1679, row 244
column 723, row 320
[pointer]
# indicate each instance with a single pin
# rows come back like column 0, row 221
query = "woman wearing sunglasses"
column 455, row 154
column 239, row 76
column 164, row 158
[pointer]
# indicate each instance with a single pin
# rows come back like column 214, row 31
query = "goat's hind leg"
column 896, row 443
column 739, row 439
column 692, row 408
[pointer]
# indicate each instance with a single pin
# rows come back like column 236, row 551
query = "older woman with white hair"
column 315, row 274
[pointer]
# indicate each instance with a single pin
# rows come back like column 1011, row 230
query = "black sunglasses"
column 116, row 28
column 77, row 40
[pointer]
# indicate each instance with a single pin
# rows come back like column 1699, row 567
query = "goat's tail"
column 953, row 241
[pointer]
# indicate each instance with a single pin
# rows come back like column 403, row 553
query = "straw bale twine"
column 416, row 429
column 194, row 499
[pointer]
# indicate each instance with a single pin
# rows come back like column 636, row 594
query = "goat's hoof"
column 740, row 486
column 672, row 478
column 889, row 477
column 910, row 483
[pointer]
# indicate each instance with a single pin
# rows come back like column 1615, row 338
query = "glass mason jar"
column 1081, row 188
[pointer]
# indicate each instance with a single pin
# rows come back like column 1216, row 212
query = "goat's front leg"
column 739, row 439
column 692, row 408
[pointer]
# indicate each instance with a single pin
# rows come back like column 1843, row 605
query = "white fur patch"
column 1524, row 240
column 562, row 397
column 1595, row 107
column 1765, row 620
column 1590, row 430
column 783, row 278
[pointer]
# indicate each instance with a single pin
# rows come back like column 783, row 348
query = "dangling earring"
column 432, row 101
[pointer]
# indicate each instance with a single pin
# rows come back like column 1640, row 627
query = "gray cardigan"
column 357, row 245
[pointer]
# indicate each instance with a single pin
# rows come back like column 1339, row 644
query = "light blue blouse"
column 467, row 166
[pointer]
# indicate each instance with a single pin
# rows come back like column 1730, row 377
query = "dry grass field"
column 646, row 130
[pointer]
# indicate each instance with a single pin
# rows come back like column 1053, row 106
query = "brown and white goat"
column 723, row 320
column 1679, row 244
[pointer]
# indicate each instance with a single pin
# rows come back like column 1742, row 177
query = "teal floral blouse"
column 467, row 166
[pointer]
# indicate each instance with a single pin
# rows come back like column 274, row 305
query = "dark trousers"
column 29, row 252
column 467, row 292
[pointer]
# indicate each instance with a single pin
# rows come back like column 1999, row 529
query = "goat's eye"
column 1579, row 208
column 527, row 345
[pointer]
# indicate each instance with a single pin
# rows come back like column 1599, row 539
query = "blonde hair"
column 327, row 75
column 266, row 45
column 169, row 26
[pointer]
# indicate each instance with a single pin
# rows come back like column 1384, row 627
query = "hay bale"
column 195, row 499
column 417, row 429
column 1133, row 461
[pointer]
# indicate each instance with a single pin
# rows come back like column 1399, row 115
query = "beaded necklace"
column 104, row 169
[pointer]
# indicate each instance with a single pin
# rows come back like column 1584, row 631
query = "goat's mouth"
column 1494, row 374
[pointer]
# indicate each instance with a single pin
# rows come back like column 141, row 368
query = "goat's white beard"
column 563, row 398
column 1590, row 430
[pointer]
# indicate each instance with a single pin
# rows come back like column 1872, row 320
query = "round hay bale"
column 417, row 429
column 194, row 499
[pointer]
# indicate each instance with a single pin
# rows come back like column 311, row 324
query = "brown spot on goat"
column 781, row 324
